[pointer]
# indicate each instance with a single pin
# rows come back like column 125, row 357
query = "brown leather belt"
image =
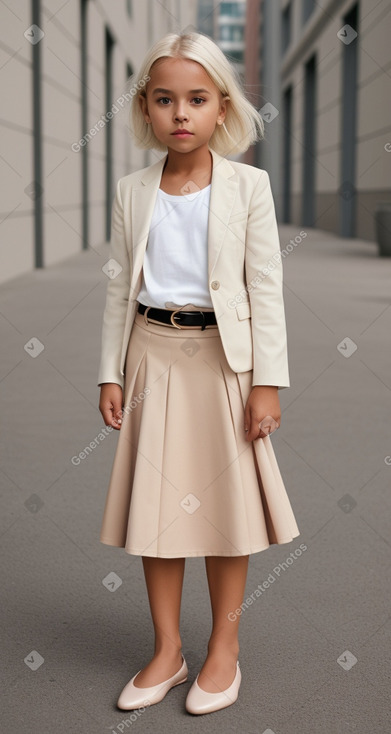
column 178, row 318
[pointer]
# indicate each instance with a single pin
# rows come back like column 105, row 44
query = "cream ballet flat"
column 199, row 701
column 134, row 698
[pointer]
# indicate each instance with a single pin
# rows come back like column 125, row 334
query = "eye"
column 199, row 100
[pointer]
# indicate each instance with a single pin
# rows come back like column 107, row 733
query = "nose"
column 180, row 114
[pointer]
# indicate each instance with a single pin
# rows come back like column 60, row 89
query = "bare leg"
column 164, row 580
column 227, row 582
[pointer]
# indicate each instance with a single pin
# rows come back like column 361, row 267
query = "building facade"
column 230, row 32
column 64, row 131
column 326, row 71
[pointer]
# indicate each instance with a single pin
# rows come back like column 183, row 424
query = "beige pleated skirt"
column 184, row 480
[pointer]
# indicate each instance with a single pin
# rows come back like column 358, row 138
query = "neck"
column 184, row 164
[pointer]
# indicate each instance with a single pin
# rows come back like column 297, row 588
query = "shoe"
column 199, row 701
column 134, row 698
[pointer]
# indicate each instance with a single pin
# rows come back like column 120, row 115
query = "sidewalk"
column 315, row 644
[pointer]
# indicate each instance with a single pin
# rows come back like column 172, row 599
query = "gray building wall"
column 338, row 133
column 61, row 87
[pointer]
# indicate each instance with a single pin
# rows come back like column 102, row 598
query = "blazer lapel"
column 222, row 196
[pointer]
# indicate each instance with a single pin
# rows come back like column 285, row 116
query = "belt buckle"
column 145, row 315
column 179, row 310
column 172, row 318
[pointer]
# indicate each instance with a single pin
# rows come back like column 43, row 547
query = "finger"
column 109, row 417
column 253, row 432
column 267, row 424
column 247, row 423
column 117, row 415
column 262, row 434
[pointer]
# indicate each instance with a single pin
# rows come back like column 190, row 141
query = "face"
column 179, row 106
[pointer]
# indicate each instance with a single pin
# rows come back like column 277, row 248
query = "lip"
column 182, row 133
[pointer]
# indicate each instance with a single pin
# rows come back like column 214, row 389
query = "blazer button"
column 215, row 285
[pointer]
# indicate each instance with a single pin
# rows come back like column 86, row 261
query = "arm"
column 110, row 379
column 264, row 281
column 117, row 296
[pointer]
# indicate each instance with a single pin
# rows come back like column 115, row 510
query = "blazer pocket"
column 243, row 310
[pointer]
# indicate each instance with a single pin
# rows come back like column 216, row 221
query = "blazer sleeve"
column 117, row 297
column 264, row 276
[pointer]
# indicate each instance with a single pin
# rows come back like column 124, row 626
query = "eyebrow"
column 160, row 90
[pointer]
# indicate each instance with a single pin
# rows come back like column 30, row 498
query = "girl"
column 194, row 352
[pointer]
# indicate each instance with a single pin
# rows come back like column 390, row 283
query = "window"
column 231, row 33
column 309, row 147
column 286, row 22
column 236, row 10
column 235, row 55
column 348, row 152
column 109, row 86
column 308, row 9
column 287, row 153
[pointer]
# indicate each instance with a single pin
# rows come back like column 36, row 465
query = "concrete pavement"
column 315, row 644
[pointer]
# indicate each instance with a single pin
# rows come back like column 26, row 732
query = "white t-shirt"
column 175, row 267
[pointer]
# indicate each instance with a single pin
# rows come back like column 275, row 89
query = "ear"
column 142, row 100
column 223, row 109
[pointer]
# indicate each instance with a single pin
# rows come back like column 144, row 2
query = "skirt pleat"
column 184, row 480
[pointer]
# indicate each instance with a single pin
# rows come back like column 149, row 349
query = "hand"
column 110, row 404
column 263, row 404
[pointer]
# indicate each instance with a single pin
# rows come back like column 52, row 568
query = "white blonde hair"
column 243, row 124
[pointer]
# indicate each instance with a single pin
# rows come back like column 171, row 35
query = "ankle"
column 168, row 650
column 215, row 646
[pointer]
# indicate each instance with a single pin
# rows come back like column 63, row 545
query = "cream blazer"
column 244, row 266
